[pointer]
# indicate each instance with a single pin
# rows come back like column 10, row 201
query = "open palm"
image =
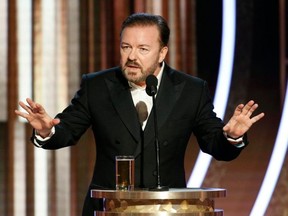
column 37, row 117
column 241, row 120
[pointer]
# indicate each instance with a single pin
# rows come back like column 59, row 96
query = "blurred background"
column 46, row 45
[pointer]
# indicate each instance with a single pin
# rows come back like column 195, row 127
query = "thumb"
column 226, row 128
column 55, row 121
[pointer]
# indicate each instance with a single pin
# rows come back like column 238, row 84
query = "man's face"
column 141, row 53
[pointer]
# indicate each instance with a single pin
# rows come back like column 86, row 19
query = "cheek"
column 123, row 58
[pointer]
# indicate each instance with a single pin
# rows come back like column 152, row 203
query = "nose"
column 132, row 55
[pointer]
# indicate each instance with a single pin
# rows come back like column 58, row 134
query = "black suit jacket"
column 183, row 107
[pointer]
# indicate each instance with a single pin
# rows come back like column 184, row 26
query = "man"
column 107, row 100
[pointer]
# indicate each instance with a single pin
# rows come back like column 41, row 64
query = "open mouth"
column 132, row 65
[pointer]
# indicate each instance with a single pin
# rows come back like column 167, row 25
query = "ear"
column 163, row 53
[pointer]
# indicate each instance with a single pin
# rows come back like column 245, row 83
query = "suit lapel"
column 123, row 103
column 169, row 92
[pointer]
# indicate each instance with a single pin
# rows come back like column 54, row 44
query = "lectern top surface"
column 172, row 193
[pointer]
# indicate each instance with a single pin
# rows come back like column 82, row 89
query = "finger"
column 25, row 107
column 21, row 114
column 55, row 121
column 238, row 109
column 249, row 108
column 226, row 128
column 33, row 105
column 30, row 102
column 257, row 118
column 38, row 108
column 252, row 109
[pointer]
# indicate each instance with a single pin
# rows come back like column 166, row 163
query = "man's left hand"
column 241, row 120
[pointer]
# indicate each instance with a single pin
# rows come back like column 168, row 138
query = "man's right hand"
column 37, row 117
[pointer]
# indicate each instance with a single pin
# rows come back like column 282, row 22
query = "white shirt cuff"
column 236, row 142
column 41, row 139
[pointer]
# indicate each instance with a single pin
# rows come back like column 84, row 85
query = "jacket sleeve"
column 74, row 121
column 209, row 131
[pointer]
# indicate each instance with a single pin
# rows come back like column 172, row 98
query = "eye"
column 125, row 48
column 143, row 50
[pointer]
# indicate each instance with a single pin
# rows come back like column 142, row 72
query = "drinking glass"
column 124, row 172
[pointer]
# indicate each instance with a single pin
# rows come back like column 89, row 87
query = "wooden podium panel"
column 185, row 201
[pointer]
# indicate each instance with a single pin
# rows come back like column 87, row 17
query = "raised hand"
column 241, row 121
column 37, row 117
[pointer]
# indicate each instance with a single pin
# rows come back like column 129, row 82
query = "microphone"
column 151, row 90
column 151, row 85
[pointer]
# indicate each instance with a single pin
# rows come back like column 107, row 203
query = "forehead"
column 140, row 34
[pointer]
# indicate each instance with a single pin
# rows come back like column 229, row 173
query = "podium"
column 184, row 201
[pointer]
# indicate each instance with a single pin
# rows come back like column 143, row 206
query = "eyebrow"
column 140, row 45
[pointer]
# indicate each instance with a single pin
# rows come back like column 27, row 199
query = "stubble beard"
column 135, row 77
